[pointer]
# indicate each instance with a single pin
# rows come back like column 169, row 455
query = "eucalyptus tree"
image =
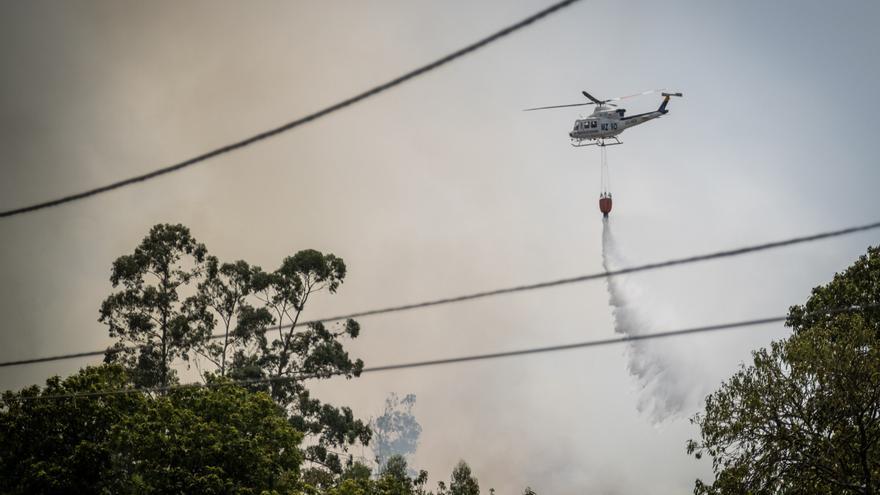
column 176, row 301
column 293, row 351
column 148, row 315
column 223, row 300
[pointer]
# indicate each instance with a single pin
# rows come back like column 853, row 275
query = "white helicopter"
column 605, row 123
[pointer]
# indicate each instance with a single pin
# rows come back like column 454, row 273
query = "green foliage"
column 356, row 471
column 463, row 481
column 314, row 351
column 317, row 479
column 858, row 285
column 395, row 467
column 63, row 445
column 223, row 295
column 805, row 416
column 147, row 313
column 392, row 480
column 222, row 439
column 174, row 296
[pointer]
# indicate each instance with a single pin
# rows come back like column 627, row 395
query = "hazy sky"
column 444, row 186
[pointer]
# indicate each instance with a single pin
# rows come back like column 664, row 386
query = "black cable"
column 595, row 276
column 509, row 290
column 475, row 357
column 436, row 362
column 296, row 123
column 579, row 345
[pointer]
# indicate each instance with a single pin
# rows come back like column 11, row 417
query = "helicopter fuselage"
column 607, row 123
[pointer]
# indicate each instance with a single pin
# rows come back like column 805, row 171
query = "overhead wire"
column 458, row 359
column 298, row 122
column 432, row 362
column 507, row 290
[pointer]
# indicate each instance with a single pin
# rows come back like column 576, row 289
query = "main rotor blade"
column 557, row 106
column 643, row 93
column 591, row 98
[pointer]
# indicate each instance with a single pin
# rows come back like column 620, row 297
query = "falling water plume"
column 660, row 368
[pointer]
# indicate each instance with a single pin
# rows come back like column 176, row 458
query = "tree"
column 174, row 295
column 393, row 479
column 396, row 431
column 222, row 439
column 63, row 445
column 857, row 286
column 219, row 440
column 302, row 352
column 462, row 481
column 804, row 417
column 147, row 316
column 357, row 471
column 395, row 467
column 223, row 295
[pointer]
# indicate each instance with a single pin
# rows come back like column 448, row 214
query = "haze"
column 444, row 186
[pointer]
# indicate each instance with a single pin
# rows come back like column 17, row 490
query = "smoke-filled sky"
column 443, row 186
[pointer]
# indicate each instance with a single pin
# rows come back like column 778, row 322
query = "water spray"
column 666, row 388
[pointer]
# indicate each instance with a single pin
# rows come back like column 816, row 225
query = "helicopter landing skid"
column 597, row 142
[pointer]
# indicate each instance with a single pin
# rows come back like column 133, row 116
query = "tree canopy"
column 804, row 417
column 147, row 315
column 463, row 482
column 177, row 302
column 221, row 439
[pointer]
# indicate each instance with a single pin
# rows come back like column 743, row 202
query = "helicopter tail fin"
column 662, row 108
column 666, row 96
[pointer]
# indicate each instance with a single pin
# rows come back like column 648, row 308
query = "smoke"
column 396, row 431
column 660, row 367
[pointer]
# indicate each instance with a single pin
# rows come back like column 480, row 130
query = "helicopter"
column 605, row 123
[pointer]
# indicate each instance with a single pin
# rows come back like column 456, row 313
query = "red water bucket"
column 605, row 204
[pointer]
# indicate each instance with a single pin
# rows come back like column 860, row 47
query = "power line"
column 509, row 290
column 474, row 357
column 452, row 360
column 598, row 275
column 298, row 122
column 580, row 345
